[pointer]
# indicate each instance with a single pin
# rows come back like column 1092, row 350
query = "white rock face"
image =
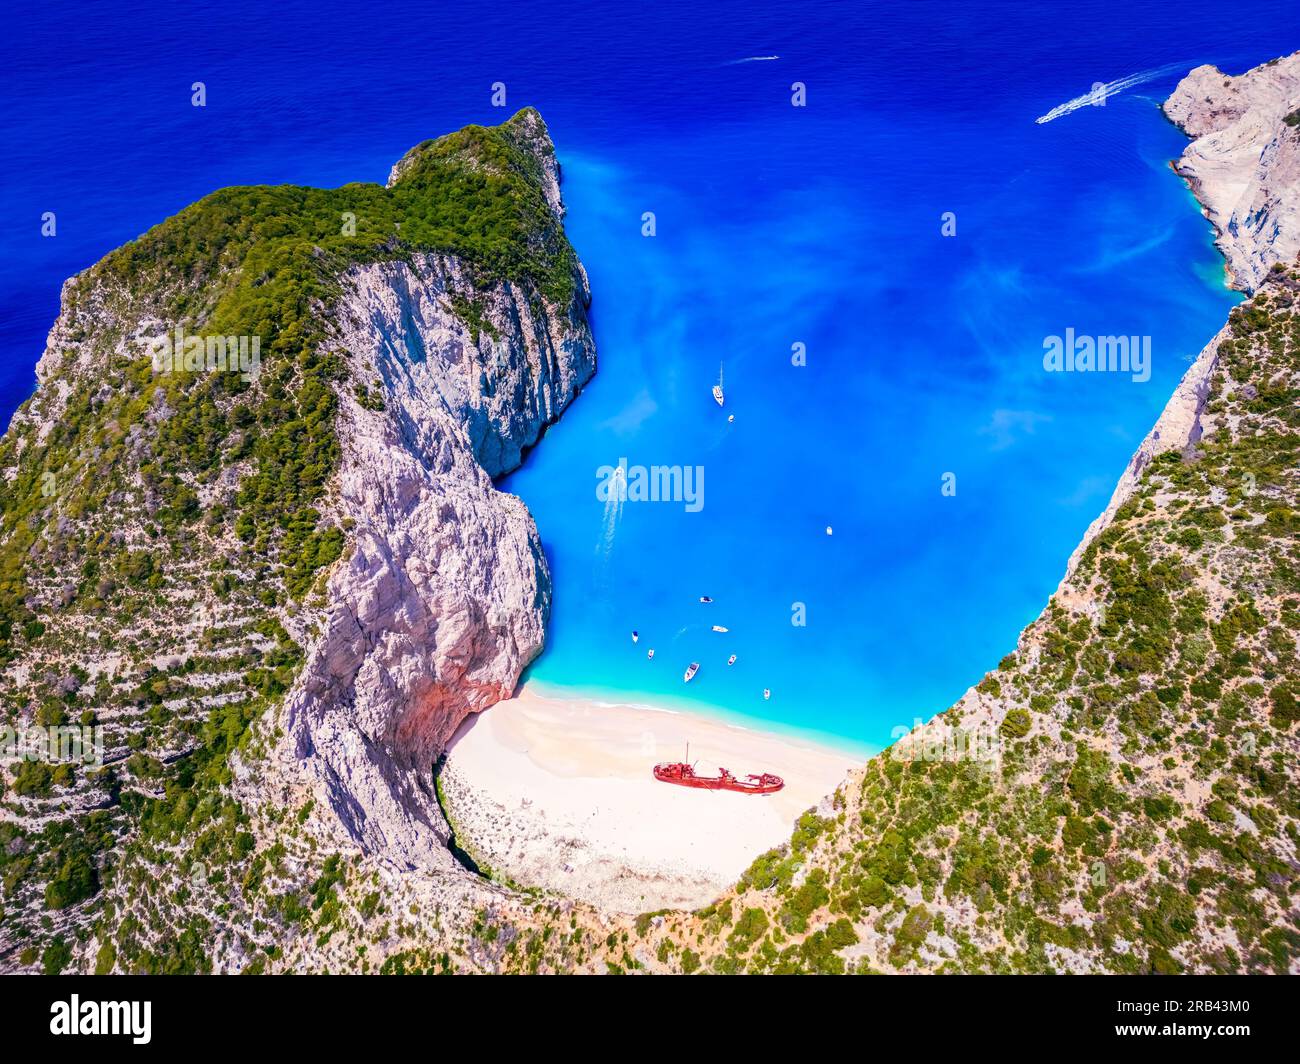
column 1244, row 167
column 1244, row 161
column 443, row 598
column 1179, row 426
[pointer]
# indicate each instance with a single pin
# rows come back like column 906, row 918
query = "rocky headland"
column 1243, row 163
column 279, row 596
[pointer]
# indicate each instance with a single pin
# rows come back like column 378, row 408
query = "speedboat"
column 691, row 670
column 705, row 598
column 635, row 635
column 731, row 660
column 719, row 628
column 651, row 653
column 767, row 693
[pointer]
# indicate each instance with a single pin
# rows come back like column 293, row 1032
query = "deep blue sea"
column 775, row 225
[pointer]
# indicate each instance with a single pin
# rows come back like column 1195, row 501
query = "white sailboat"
column 717, row 388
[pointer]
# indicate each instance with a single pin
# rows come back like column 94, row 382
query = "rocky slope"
column 272, row 595
column 1244, row 160
column 444, row 598
column 294, row 578
column 1243, row 165
column 1119, row 795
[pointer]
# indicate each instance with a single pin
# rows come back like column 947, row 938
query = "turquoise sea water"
column 924, row 357
column 775, row 225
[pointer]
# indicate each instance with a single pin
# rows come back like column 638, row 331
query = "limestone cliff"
column 444, row 598
column 1243, row 165
column 282, row 582
column 278, row 597
column 1244, row 160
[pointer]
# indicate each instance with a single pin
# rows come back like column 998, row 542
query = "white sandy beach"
column 558, row 793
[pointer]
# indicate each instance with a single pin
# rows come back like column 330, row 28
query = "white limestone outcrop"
column 1244, row 161
column 1243, row 165
column 442, row 598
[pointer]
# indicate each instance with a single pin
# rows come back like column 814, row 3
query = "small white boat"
column 635, row 635
column 719, row 628
column 731, row 418
column 691, row 670
column 717, row 388
column 705, row 598
column 651, row 654
column 731, row 660
column 767, row 693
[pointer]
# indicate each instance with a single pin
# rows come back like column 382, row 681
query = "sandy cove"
column 558, row 793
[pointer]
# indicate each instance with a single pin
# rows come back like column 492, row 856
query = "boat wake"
column 1102, row 92
column 753, row 59
column 609, row 525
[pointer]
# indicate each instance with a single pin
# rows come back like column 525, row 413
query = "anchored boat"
column 691, row 670
column 717, row 388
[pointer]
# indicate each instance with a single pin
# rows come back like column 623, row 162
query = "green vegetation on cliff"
column 1142, row 814
column 154, row 526
column 260, row 261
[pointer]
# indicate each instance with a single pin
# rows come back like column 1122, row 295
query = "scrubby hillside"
column 279, row 591
column 1136, row 810
column 1119, row 795
column 185, row 545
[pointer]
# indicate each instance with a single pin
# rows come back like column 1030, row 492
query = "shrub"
column 749, row 929
column 1016, row 724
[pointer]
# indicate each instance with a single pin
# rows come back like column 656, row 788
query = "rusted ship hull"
column 684, row 776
